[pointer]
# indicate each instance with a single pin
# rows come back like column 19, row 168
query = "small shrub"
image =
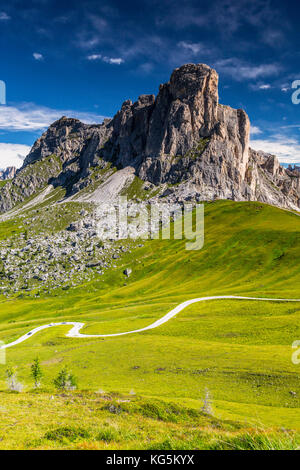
column 65, row 380
column 108, row 435
column 69, row 433
column 162, row 411
column 36, row 372
column 168, row 412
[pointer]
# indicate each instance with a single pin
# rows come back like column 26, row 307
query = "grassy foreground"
column 95, row 421
column 240, row 351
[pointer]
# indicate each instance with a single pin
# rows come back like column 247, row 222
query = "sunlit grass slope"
column 238, row 350
column 93, row 420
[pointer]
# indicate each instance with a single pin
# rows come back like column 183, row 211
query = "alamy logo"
column 296, row 354
column 124, row 219
column 2, row 92
column 295, row 95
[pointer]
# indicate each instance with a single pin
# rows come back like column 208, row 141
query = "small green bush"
column 69, row 433
column 108, row 435
column 65, row 380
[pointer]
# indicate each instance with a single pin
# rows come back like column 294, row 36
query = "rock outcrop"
column 8, row 174
column 183, row 140
column 270, row 182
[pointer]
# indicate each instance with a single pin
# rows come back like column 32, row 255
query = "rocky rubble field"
column 63, row 259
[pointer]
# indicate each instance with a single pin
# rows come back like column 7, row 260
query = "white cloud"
column 145, row 68
column 99, row 23
column 87, row 42
column 194, row 47
column 94, row 57
column 286, row 149
column 108, row 60
column 113, row 60
column 29, row 117
column 239, row 70
column 264, row 87
column 12, row 154
column 273, row 37
column 260, row 86
column 291, row 126
column 4, row 16
column 254, row 130
column 38, row 56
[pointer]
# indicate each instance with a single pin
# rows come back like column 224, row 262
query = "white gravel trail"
column 77, row 326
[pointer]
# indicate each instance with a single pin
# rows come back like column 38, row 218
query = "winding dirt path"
column 77, row 326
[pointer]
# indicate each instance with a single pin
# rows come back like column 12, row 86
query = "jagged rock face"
column 182, row 137
column 185, row 110
column 74, row 143
column 163, row 137
column 8, row 174
column 27, row 182
column 270, row 182
column 152, row 129
column 129, row 132
column 61, row 156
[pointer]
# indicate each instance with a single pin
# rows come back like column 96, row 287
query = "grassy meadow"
column 237, row 352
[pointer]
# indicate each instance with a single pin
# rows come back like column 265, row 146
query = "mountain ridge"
column 182, row 141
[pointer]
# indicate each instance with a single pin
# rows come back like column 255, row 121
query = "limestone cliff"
column 183, row 139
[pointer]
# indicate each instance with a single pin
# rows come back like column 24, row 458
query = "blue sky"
column 85, row 58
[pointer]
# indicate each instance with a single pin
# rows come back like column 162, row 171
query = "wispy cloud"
column 225, row 17
column 12, row 154
column 182, row 18
column 38, row 56
column 86, row 41
column 255, row 130
column 194, row 47
column 94, row 57
column 291, row 126
column 29, row 117
column 108, row 60
column 98, row 22
column 240, row 70
column 95, row 31
column 113, row 60
column 4, row 16
column 260, row 86
column 286, row 149
column 145, row 68
column 273, row 37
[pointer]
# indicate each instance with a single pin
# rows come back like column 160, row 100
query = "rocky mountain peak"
column 194, row 80
column 182, row 138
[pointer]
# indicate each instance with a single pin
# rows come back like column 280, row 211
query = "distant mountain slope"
column 182, row 141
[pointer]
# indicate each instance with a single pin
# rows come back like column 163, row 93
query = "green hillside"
column 238, row 351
